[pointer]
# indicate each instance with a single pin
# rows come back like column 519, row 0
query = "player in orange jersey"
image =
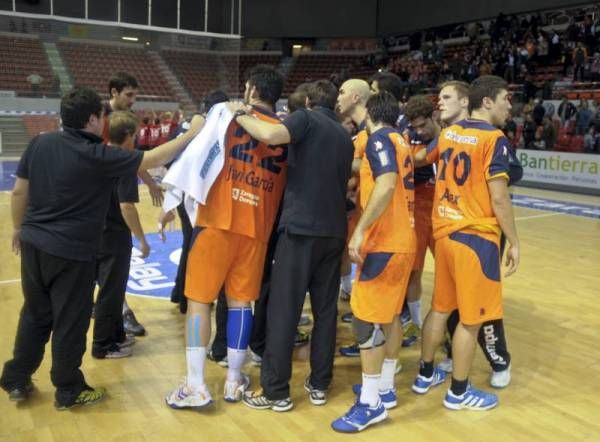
column 229, row 244
column 383, row 244
column 453, row 103
column 421, row 131
column 472, row 207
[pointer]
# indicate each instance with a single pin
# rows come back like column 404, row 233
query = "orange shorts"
column 219, row 258
column 467, row 277
column 424, row 194
column 380, row 288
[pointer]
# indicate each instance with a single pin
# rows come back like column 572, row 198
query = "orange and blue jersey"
column 467, row 155
column 393, row 231
column 245, row 197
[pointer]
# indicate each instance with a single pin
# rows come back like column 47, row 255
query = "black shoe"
column 301, row 338
column 20, row 394
column 131, row 325
column 347, row 317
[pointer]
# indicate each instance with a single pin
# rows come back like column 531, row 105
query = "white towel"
column 197, row 168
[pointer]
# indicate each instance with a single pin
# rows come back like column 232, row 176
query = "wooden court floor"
column 552, row 310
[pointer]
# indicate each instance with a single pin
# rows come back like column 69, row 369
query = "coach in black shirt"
column 309, row 249
column 59, row 204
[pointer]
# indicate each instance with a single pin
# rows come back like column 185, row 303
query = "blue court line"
column 549, row 205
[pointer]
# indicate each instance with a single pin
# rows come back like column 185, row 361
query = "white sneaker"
column 234, row 391
column 184, row 397
column 446, row 365
column 500, row 379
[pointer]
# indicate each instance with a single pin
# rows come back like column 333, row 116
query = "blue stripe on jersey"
column 500, row 157
column 487, row 252
column 374, row 264
column 476, row 124
column 381, row 152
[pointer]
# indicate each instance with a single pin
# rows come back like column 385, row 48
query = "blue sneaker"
column 388, row 398
column 359, row 417
column 347, row 317
column 423, row 384
column 472, row 399
column 350, row 351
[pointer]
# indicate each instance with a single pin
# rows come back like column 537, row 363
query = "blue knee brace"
column 239, row 327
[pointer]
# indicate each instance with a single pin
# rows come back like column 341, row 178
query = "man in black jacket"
column 59, row 204
column 310, row 246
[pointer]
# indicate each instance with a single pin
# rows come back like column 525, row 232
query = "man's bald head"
column 353, row 92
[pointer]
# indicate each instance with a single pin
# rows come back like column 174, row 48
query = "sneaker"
column 398, row 368
column 258, row 401
column 184, row 397
column 423, row 384
column 131, row 324
column 411, row 335
column 304, row 320
column 317, row 397
column 234, row 391
column 446, row 365
column 127, row 342
column 118, row 353
column 405, row 319
column 359, row 417
column 86, row 397
column 301, row 338
column 344, row 295
column 21, row 394
column 350, row 351
column 500, row 379
column 255, row 359
column 388, row 398
column 347, row 317
column 113, row 352
column 472, row 399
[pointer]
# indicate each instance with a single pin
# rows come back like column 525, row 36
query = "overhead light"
column 297, row 46
column 147, row 43
column 130, row 38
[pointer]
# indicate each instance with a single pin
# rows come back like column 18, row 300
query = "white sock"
column 235, row 360
column 370, row 389
column 415, row 312
column 388, row 371
column 195, row 357
column 347, row 283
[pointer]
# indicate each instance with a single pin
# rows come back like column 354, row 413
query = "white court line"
column 542, row 215
column 10, row 281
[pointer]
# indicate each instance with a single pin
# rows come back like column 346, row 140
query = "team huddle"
column 403, row 184
column 402, row 208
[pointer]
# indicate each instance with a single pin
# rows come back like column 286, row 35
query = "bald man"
column 351, row 103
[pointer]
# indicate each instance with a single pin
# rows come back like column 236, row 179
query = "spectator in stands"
column 35, row 80
column 595, row 66
column 538, row 111
column 529, row 130
column 555, row 47
column 548, row 107
column 579, row 59
column 143, row 135
column 510, row 129
column 566, row 111
column 583, row 118
column 589, row 140
column 549, row 133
